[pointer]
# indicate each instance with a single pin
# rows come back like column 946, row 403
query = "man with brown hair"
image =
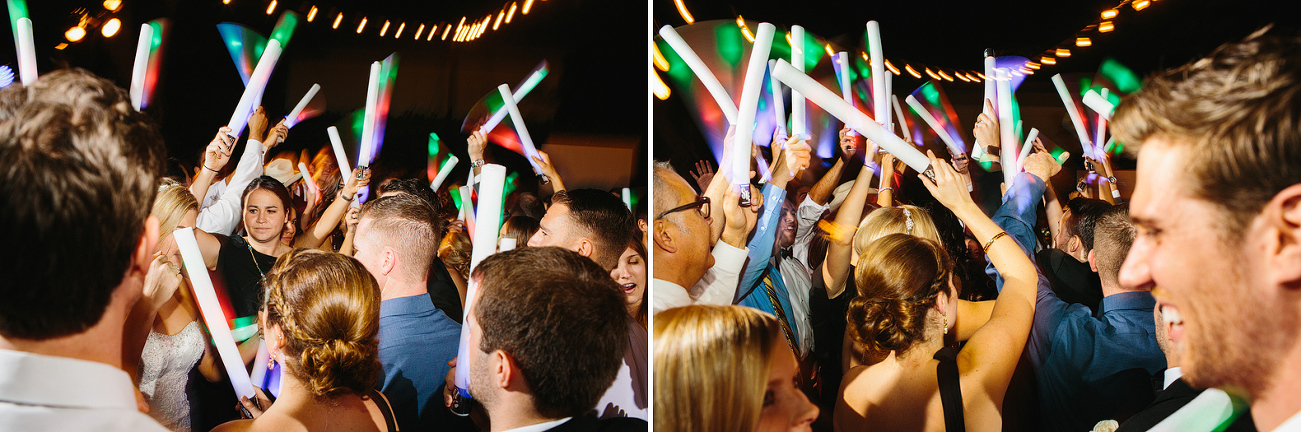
column 592, row 222
column 80, row 170
column 1217, row 204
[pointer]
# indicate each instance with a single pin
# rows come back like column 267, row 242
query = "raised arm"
column 549, row 170
column 821, row 191
column 324, row 226
column 885, row 193
column 215, row 158
column 835, row 269
column 986, row 132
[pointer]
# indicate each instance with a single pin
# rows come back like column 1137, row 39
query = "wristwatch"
column 477, row 163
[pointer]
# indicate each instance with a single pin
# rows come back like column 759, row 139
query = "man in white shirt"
column 681, row 234
column 81, row 172
column 1217, row 204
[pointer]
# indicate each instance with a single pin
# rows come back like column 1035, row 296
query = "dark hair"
column 520, row 228
column 1238, row 114
column 606, row 220
column 525, row 204
column 269, row 184
column 327, row 305
column 420, row 189
column 898, row 278
column 642, row 313
column 1113, row 236
column 80, row 173
column 560, row 317
column 1084, row 216
column 405, row 223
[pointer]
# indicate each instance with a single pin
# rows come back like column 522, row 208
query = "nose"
column 1136, row 272
column 536, row 239
column 809, row 413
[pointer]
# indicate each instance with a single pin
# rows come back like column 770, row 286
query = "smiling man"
column 592, row 222
column 1217, row 204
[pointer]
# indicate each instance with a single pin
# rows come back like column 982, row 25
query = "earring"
column 946, row 324
column 271, row 365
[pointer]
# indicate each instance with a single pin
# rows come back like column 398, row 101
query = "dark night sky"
column 586, row 42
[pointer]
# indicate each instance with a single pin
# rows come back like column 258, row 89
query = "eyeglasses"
column 702, row 203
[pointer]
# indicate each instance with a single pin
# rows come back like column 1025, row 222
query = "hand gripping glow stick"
column 753, row 86
column 339, row 155
column 930, row 120
column 698, row 67
column 253, row 92
column 1026, row 148
column 141, row 65
column 799, row 118
column 292, row 118
column 444, row 172
column 26, row 52
column 879, row 91
column 211, row 311
column 518, row 95
column 991, row 95
column 778, row 102
column 1074, row 113
column 851, row 116
column 491, row 186
column 526, row 141
column 1099, row 104
column 1006, row 127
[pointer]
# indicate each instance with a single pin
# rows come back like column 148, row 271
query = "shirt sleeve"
column 761, row 242
column 718, row 286
column 1017, row 216
column 223, row 216
column 807, row 216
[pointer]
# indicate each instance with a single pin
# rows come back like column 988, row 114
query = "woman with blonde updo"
column 726, row 369
column 906, row 315
column 322, row 316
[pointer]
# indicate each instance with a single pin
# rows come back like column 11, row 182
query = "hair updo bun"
column 898, row 279
column 327, row 306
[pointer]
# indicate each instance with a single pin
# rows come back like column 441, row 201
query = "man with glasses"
column 681, row 232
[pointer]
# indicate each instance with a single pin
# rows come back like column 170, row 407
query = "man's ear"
column 585, row 247
column 664, row 238
column 1282, row 225
column 144, row 253
column 1093, row 261
column 1074, row 244
column 390, row 260
column 503, row 369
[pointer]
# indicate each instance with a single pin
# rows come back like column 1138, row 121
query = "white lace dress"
column 165, row 367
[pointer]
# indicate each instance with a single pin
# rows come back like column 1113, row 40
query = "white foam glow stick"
column 258, row 375
column 1026, row 148
column 846, row 87
column 257, row 82
column 627, row 197
column 991, row 95
column 339, row 154
column 206, row 297
column 467, row 209
column 444, row 172
column 778, row 102
column 507, row 243
column 368, row 122
column 26, row 52
column 903, row 125
column 307, row 178
column 1074, row 113
column 292, row 118
column 851, row 116
column 1099, row 104
column 930, row 120
column 1006, row 127
column 1206, row 412
column 698, row 67
column 518, row 95
column 753, row 86
column 889, row 92
column 141, row 65
column 525, row 140
column 880, row 105
column 491, row 187
column 799, row 118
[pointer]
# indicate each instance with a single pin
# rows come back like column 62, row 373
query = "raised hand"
column 355, row 184
column 703, row 174
column 986, row 129
column 948, row 188
column 257, row 125
column 217, row 154
column 476, row 144
column 161, row 281
column 1041, row 163
column 277, row 135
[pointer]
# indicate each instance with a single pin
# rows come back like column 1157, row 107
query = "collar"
column 1136, row 300
column 1291, row 425
column 539, row 427
column 1171, row 375
column 35, row 379
column 409, row 305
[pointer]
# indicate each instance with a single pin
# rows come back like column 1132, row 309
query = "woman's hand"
column 948, row 188
column 253, row 408
column 161, row 281
column 217, row 154
column 355, row 184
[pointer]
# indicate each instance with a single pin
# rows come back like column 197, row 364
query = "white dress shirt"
column 718, row 286
column 798, row 276
column 40, row 393
column 540, row 427
column 1291, row 425
column 221, row 209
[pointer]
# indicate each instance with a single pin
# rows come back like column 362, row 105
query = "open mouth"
column 628, row 288
column 1170, row 314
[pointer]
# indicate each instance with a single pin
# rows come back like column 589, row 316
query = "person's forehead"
column 685, row 193
column 1160, row 179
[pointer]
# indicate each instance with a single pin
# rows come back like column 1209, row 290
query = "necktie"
column 771, row 290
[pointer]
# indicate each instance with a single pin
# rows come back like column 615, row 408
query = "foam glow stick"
column 778, row 103
column 889, row 92
column 443, row 172
column 368, row 122
column 1025, row 149
column 507, row 243
column 954, row 148
column 1076, row 119
column 258, row 376
column 851, row 116
column 698, row 67
column 206, row 297
column 1099, row 104
column 874, row 51
column 1206, row 412
column 491, row 188
column 467, row 209
column 627, row 198
column 26, row 52
column 991, row 95
column 842, row 74
column 253, row 92
column 516, row 119
column 292, row 118
column 898, row 112
column 799, row 118
column 307, row 178
column 141, row 65
column 339, row 155
column 1006, row 128
column 746, row 111
column 520, row 91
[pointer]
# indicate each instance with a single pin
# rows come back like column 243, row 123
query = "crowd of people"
column 357, row 309
column 955, row 302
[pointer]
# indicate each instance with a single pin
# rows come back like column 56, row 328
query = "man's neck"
column 669, row 270
column 101, row 343
column 1280, row 401
column 395, row 288
column 515, row 415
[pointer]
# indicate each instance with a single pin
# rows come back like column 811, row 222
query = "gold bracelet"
column 992, row 240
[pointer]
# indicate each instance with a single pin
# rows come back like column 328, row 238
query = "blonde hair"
column 894, row 220
column 711, row 367
column 170, row 205
column 327, row 306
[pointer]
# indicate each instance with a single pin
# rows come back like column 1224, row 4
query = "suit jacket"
column 589, row 423
column 1167, row 401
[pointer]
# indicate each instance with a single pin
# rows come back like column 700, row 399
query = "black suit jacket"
column 1170, row 400
column 589, row 423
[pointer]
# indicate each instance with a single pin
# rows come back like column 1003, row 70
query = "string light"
column 398, row 34
column 511, row 13
column 682, row 10
column 445, row 31
column 75, row 34
column 361, row 26
column 501, row 15
column 932, row 74
column 225, row 1
column 943, row 75
column 661, row 90
column 434, row 31
column 421, row 30
column 113, row 5
column 959, row 75
column 912, row 71
column 111, row 27
column 1033, row 65
column 1140, row 4
column 384, row 29
column 311, row 15
column 528, row 4
column 1063, row 52
column 981, row 75
column 891, row 67
column 1048, row 60
column 1083, row 42
column 271, row 8
column 1106, row 26
column 1109, row 14
column 337, row 20
column 661, row 63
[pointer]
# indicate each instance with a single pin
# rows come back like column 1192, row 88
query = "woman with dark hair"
column 631, row 276
column 520, row 228
column 321, row 322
